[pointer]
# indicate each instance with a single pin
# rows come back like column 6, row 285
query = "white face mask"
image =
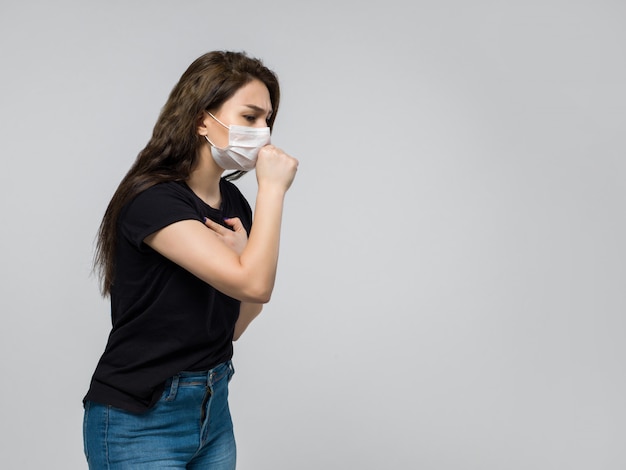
column 243, row 146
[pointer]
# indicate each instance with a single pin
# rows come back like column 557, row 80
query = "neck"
column 204, row 179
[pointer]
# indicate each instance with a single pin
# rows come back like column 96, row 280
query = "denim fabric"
column 190, row 427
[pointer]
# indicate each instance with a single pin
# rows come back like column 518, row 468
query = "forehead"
column 254, row 92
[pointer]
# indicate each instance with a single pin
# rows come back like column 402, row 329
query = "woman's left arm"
column 247, row 312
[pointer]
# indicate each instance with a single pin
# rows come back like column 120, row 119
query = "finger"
column 235, row 223
column 214, row 226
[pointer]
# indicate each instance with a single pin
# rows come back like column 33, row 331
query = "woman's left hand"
column 236, row 239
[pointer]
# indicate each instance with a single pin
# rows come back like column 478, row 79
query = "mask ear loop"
column 224, row 125
column 212, row 144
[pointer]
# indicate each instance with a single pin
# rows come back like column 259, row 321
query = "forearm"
column 260, row 257
column 247, row 312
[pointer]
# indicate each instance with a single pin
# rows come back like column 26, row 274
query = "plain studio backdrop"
column 451, row 289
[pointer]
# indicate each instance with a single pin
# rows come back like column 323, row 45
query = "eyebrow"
column 259, row 109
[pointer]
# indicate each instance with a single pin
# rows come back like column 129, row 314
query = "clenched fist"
column 275, row 167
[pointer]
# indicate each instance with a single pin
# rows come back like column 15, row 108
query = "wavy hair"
column 171, row 152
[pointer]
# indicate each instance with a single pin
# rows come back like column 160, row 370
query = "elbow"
column 256, row 294
column 248, row 286
column 260, row 293
column 259, row 297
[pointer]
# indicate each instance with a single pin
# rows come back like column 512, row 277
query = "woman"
column 184, row 277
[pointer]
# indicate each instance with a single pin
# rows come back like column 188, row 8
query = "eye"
column 251, row 119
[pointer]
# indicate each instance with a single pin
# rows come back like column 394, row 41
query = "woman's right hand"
column 275, row 168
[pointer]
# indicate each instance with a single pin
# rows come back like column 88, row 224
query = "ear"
column 201, row 124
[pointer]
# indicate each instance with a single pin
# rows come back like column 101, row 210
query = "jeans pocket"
column 231, row 370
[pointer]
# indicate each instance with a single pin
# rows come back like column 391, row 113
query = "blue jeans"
column 190, row 427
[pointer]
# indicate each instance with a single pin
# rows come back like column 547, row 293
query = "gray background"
column 451, row 286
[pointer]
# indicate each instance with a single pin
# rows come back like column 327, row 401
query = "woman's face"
column 249, row 106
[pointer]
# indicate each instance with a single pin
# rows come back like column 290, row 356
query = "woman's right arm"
column 250, row 276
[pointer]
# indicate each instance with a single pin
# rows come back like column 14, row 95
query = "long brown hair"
column 170, row 154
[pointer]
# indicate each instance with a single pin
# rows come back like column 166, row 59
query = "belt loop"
column 173, row 388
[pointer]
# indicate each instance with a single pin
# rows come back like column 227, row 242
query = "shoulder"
column 234, row 195
column 235, row 203
column 173, row 189
column 229, row 187
column 160, row 195
column 156, row 207
column 231, row 191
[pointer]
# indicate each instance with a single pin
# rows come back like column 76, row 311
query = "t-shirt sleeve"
column 153, row 209
column 241, row 206
column 247, row 210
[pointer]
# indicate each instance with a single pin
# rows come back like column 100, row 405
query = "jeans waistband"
column 204, row 377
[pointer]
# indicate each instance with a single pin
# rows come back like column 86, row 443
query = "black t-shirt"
column 165, row 320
